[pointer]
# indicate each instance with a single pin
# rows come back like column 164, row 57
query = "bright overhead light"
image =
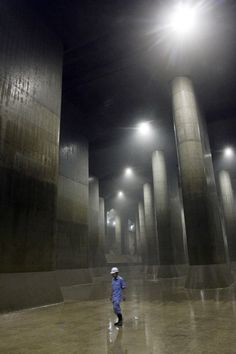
column 144, row 128
column 114, row 223
column 228, row 152
column 120, row 194
column 128, row 172
column 183, row 21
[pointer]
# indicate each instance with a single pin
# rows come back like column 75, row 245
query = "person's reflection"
column 116, row 347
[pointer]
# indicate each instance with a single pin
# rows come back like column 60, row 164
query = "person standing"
column 117, row 287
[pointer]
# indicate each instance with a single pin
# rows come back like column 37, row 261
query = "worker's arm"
column 123, row 286
column 123, row 294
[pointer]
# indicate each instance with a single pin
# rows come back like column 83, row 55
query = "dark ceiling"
column 118, row 62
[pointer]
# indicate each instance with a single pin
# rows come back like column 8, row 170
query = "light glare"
column 144, row 128
column 183, row 20
column 228, row 152
column 120, row 194
column 128, row 172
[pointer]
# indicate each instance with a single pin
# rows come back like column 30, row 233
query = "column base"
column 182, row 269
column 151, row 272
column 167, row 271
column 211, row 276
column 70, row 277
column 100, row 274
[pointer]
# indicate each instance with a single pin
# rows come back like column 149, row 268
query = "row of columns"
column 202, row 228
column 96, row 228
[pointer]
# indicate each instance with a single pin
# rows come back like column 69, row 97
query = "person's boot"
column 120, row 320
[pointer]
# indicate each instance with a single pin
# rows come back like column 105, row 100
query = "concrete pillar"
column 143, row 243
column 30, row 102
column 125, row 233
column 137, row 234
column 132, row 246
column 72, row 201
column 96, row 256
column 166, row 262
column 229, row 210
column 118, row 233
column 206, row 245
column 178, row 234
column 102, row 225
column 110, row 231
column 150, row 228
column 177, row 229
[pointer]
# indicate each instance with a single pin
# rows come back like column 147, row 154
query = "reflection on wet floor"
column 160, row 317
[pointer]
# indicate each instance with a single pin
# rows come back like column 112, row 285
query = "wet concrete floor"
column 160, row 317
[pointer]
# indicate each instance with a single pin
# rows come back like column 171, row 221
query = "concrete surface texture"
column 178, row 229
column 206, row 246
column 117, row 245
column 102, row 220
column 30, row 100
column 229, row 211
column 30, row 103
column 137, row 234
column 150, row 225
column 142, row 230
column 163, row 215
column 96, row 252
column 72, row 202
column 159, row 318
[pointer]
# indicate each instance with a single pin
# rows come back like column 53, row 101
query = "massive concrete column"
column 178, row 233
column 206, row 246
column 166, row 261
column 150, row 227
column 72, row 202
column 131, row 243
column 30, row 101
column 96, row 256
column 229, row 210
column 137, row 233
column 72, row 206
column 118, row 233
column 102, row 225
column 143, row 239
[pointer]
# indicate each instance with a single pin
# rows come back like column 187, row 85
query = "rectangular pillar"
column 30, row 102
column 72, row 204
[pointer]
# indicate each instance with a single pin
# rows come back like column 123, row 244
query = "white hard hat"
column 114, row 270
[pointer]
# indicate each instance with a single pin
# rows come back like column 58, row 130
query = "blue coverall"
column 117, row 285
